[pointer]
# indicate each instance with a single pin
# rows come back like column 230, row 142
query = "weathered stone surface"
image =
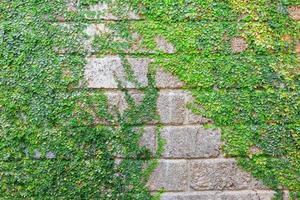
column 171, row 175
column 246, row 195
column 190, row 142
column 220, row 174
column 238, row 45
column 163, row 45
column 172, row 108
column 191, row 117
column 165, row 79
column 189, row 196
column 294, row 12
column 116, row 102
column 105, row 72
column 149, row 138
column 215, row 195
column 93, row 30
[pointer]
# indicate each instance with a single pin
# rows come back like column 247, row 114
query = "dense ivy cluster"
column 54, row 138
column 251, row 94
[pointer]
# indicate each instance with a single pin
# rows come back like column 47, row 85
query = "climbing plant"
column 239, row 60
column 59, row 140
column 237, row 57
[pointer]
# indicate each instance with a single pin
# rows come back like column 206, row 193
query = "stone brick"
column 116, row 100
column 149, row 138
column 165, row 79
column 215, row 195
column 245, row 195
column 220, row 174
column 191, row 117
column 238, row 45
column 190, row 142
column 105, row 72
column 172, row 108
column 163, row 45
column 171, row 175
column 294, row 12
column 93, row 30
column 211, row 195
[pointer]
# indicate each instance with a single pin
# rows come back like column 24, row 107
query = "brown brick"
column 171, row 175
column 220, row 174
column 190, row 142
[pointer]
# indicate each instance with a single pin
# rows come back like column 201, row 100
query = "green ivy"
column 252, row 95
column 59, row 140
column 54, row 140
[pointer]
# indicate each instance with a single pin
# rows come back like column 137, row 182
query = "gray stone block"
column 172, row 108
column 149, row 138
column 165, row 79
column 219, row 174
column 164, row 45
column 189, row 196
column 191, row 117
column 190, row 142
column 245, row 195
column 217, row 195
column 105, row 72
column 171, row 175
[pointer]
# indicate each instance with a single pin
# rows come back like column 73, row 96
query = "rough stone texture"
column 190, row 142
column 216, row 195
column 170, row 175
column 294, row 12
column 172, row 108
column 105, row 72
column 149, row 138
column 165, row 79
column 220, row 174
column 238, row 45
column 164, row 46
